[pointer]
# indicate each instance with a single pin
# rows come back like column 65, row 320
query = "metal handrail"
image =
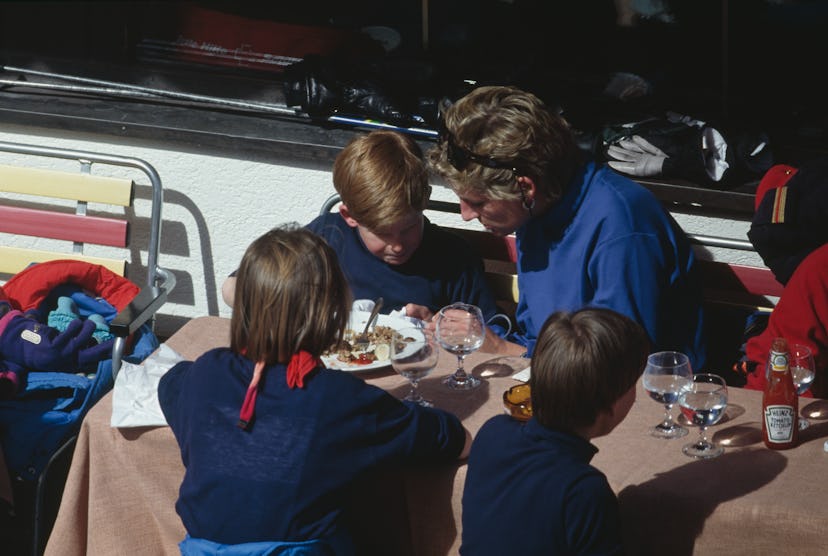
column 726, row 242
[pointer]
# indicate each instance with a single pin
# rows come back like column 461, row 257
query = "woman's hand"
column 495, row 344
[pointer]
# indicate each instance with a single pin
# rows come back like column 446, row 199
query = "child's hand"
column 418, row 312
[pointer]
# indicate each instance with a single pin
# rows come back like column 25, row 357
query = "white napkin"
column 367, row 305
column 363, row 305
column 523, row 375
column 135, row 394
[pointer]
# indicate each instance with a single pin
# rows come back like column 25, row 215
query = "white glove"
column 636, row 156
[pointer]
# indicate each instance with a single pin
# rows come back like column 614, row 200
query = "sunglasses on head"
column 459, row 157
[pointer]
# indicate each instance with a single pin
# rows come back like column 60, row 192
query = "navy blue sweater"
column 288, row 477
column 444, row 269
column 531, row 490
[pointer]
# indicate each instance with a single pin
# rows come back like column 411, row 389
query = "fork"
column 362, row 340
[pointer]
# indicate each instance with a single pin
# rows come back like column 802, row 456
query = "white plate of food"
column 376, row 355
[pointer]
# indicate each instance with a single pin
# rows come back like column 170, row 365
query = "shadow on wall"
column 174, row 241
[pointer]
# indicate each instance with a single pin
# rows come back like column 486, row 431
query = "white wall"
column 215, row 204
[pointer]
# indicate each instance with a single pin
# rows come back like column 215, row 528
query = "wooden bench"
column 724, row 283
column 56, row 222
column 65, row 212
column 731, row 291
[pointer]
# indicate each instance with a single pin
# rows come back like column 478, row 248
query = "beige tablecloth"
column 122, row 487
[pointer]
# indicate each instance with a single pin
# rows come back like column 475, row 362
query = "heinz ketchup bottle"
column 780, row 404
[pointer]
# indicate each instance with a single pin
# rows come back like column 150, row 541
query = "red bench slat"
column 70, row 227
column 734, row 277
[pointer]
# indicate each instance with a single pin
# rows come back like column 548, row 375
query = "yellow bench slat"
column 503, row 286
column 14, row 259
column 66, row 185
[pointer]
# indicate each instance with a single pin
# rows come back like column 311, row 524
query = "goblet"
column 703, row 402
column 460, row 330
column 802, row 372
column 414, row 354
column 666, row 373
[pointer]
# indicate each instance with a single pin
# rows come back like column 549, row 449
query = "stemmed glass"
column 414, row 354
column 802, row 372
column 460, row 330
column 666, row 373
column 703, row 402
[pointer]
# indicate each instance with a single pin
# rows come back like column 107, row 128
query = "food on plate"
column 379, row 347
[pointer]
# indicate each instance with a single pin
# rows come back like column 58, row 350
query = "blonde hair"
column 583, row 363
column 381, row 178
column 290, row 295
column 515, row 128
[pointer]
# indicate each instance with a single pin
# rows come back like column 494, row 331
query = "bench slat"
column 723, row 282
column 66, row 185
column 13, row 260
column 499, row 256
column 70, row 227
column 504, row 286
column 739, row 278
column 490, row 246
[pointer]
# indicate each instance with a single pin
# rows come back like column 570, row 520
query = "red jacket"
column 801, row 316
column 26, row 289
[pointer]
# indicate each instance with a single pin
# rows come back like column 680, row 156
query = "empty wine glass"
column 666, row 373
column 414, row 354
column 802, row 372
column 703, row 402
column 461, row 330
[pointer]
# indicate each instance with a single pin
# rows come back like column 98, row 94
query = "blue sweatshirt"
column 610, row 243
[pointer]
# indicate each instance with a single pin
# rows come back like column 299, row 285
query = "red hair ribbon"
column 300, row 365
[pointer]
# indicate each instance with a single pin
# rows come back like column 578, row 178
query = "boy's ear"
column 346, row 215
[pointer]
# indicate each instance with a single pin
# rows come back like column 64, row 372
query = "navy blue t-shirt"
column 443, row 270
column 531, row 490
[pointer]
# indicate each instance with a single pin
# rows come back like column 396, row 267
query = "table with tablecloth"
column 123, row 483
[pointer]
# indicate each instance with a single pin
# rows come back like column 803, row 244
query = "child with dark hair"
column 530, row 488
column 271, row 440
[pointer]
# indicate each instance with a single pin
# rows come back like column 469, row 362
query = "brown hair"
column 583, row 363
column 512, row 126
column 290, row 295
column 381, row 178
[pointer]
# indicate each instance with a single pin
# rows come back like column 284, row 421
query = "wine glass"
column 703, row 402
column 666, row 373
column 414, row 354
column 460, row 330
column 802, row 372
